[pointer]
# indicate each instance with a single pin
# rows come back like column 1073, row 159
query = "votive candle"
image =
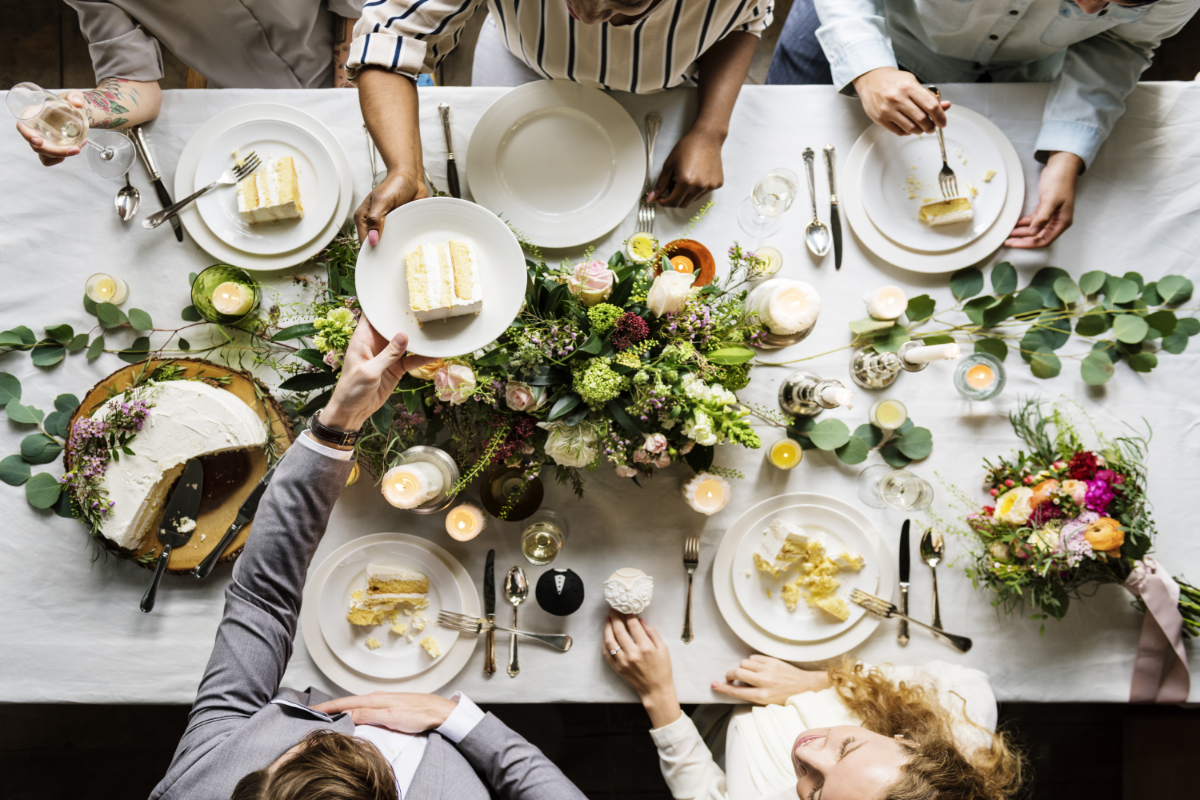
column 410, row 485
column 102, row 288
column 706, row 493
column 465, row 522
column 932, row 352
column 682, row 264
column 886, row 302
column 233, row 299
column 785, row 454
column 980, row 376
column 888, row 415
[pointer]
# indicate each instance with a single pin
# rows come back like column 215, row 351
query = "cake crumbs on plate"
column 373, row 643
column 399, row 628
column 987, row 176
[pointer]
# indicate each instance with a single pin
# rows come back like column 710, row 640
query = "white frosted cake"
column 189, row 419
column 947, row 212
column 271, row 193
column 443, row 280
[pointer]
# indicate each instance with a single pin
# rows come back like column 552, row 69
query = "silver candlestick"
column 871, row 369
column 807, row 394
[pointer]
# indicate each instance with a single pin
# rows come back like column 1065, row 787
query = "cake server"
column 902, row 637
column 835, row 220
column 164, row 197
column 451, row 164
column 244, row 515
column 177, row 523
column 489, row 610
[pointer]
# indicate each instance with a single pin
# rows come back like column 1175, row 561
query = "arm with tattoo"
column 343, row 34
column 118, row 103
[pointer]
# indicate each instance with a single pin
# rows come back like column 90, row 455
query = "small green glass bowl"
column 206, row 284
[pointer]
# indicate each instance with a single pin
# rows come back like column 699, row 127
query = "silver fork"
column 882, row 608
column 946, row 180
column 691, row 560
column 466, row 624
column 228, row 178
column 646, row 210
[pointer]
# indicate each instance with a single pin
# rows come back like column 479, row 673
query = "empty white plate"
column 562, row 162
column 268, row 138
column 804, row 624
column 396, row 657
column 901, row 173
column 383, row 285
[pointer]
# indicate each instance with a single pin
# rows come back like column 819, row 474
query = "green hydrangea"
column 604, row 317
column 678, row 353
column 597, row 383
column 641, row 377
column 734, row 377
column 334, row 330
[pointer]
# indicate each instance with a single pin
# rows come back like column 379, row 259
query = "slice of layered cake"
column 443, row 280
column 947, row 212
column 271, row 193
column 388, row 590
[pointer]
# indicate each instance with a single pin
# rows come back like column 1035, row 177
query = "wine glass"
column 882, row 486
column 109, row 154
column 772, row 196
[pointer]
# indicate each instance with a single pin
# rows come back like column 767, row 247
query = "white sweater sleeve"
column 686, row 762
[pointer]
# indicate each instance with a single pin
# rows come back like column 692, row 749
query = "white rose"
column 1015, row 505
column 570, row 446
column 699, row 428
column 669, row 292
column 999, row 550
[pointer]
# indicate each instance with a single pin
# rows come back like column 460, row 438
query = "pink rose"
column 1077, row 490
column 592, row 282
column 519, row 396
column 687, row 448
column 454, row 384
column 655, row 443
column 640, row 456
column 625, row 471
column 663, row 460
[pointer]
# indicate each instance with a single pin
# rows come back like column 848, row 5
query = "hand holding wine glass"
column 57, row 127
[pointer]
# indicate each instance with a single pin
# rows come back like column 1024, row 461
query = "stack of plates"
column 339, row 649
column 271, row 131
column 762, row 621
column 887, row 177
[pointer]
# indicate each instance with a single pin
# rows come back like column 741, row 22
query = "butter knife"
column 451, row 162
column 835, row 220
column 164, row 197
column 489, row 610
column 244, row 515
column 902, row 637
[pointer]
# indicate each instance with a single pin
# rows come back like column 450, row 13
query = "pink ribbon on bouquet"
column 1159, row 675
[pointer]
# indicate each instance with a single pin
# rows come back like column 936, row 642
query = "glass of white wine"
column 881, row 486
column 543, row 537
column 772, row 196
column 109, row 154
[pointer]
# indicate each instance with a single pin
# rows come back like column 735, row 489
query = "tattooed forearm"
column 112, row 103
column 343, row 34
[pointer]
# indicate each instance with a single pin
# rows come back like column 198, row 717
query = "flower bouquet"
column 1066, row 519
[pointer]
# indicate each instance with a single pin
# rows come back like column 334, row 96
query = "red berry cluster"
column 524, row 427
column 631, row 329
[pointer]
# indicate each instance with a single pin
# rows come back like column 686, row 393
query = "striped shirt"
column 656, row 52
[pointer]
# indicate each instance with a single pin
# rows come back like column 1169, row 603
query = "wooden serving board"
column 228, row 477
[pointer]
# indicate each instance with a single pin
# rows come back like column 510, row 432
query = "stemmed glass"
column 881, row 486
column 772, row 196
column 109, row 154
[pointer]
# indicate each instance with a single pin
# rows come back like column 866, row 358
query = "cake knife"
column 489, row 610
column 244, row 515
column 902, row 637
column 835, row 220
column 451, row 163
column 164, row 197
column 177, row 523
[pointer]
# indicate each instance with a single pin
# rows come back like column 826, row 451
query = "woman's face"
column 595, row 12
column 846, row 762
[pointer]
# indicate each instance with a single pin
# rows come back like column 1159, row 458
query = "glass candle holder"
column 543, row 537
column 888, row 415
column 102, row 288
column 225, row 295
column 504, row 488
column 784, row 453
column 979, row 377
column 428, row 462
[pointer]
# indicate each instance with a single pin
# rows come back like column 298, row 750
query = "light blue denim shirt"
column 1092, row 60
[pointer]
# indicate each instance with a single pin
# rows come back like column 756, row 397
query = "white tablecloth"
column 70, row 628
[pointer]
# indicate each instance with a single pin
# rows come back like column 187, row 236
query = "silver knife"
column 489, row 610
column 244, row 515
column 451, row 163
column 177, row 523
column 902, row 638
column 164, row 197
column 835, row 220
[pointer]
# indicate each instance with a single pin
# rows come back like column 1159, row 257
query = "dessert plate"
column 355, row 682
column 804, row 624
column 901, row 173
column 562, row 162
column 268, row 138
column 383, row 285
column 396, row 657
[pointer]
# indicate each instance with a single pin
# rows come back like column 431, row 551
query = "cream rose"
column 669, row 292
column 999, row 550
column 1077, row 490
column 522, row 397
column 1015, row 505
column 427, row 372
column 454, row 383
column 592, row 282
column 655, row 443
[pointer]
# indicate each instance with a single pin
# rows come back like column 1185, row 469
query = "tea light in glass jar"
column 888, row 415
column 784, row 453
column 465, row 522
column 682, row 264
column 980, row 376
column 102, row 288
column 706, row 493
column 233, row 299
column 410, row 485
column 773, row 257
column 887, row 302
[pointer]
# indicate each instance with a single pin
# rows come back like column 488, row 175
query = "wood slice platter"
column 229, row 477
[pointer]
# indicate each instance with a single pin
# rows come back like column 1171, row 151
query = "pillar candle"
column 933, row 352
column 464, row 522
column 411, row 485
column 233, row 299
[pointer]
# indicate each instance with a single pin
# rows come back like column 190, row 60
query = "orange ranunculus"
column 1105, row 536
column 1042, row 492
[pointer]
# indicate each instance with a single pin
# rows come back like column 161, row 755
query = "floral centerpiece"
column 1065, row 518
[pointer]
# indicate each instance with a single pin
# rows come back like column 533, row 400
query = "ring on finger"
column 614, row 652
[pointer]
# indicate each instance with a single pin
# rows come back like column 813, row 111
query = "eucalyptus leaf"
column 66, row 403
column 1093, row 323
column 65, row 507
column 137, row 351
column 967, row 282
column 854, row 451
column 38, row 448
column 1045, row 364
column 14, row 470
column 993, row 347
column 1120, row 290
column 58, row 423
column 829, row 434
column 1143, row 362
column 184, row 344
column 42, row 490
column 1176, row 343
column 110, row 316
column 997, row 313
column 61, row 333
column 916, row 444
column 1043, row 282
column 77, row 343
column 139, row 320
column 1004, row 278
column 190, row 314
column 1092, row 282
column 1136, row 278
column 1055, row 328
column 47, row 354
column 861, row 327
column 89, row 305
column 1150, row 294
column 920, row 308
column 1130, row 328
column 889, row 341
column 1188, row 326
column 95, row 348
column 1066, row 289
column 11, row 339
column 892, row 455
column 1096, row 369
column 10, row 388
column 869, row 434
column 192, row 278
column 1163, row 321
column 1174, row 289
column 1027, row 301
column 974, row 308
column 26, row 415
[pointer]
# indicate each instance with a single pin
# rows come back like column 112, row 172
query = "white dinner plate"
column 901, row 173
column 915, row 260
column 745, row 628
column 185, row 175
column 355, row 682
column 562, row 162
column 397, row 657
column 383, row 285
column 804, row 624
column 268, row 138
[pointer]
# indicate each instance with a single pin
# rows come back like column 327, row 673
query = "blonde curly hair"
column 937, row 769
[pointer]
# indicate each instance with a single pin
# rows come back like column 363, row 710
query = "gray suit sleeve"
column 118, row 45
column 262, row 603
column 515, row 769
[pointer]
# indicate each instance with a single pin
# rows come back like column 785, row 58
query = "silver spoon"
column 516, row 589
column 128, row 200
column 816, row 235
column 933, row 549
